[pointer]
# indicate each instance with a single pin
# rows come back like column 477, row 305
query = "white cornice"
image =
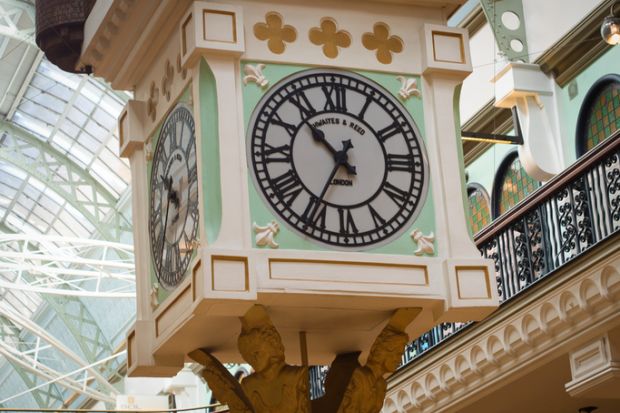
column 565, row 310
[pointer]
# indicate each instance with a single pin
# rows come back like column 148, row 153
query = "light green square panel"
column 336, row 158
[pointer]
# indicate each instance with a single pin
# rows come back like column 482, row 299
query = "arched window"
column 511, row 184
column 599, row 116
column 479, row 207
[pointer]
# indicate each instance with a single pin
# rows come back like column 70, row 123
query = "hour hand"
column 319, row 136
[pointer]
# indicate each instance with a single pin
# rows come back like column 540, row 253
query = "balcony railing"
column 556, row 224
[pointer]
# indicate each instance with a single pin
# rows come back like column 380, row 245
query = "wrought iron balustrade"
column 557, row 223
column 560, row 221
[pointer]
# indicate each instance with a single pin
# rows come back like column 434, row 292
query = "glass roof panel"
column 77, row 115
column 49, row 189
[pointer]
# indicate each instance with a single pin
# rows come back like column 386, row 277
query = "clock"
column 173, row 210
column 338, row 159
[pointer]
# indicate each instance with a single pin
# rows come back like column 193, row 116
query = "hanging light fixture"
column 610, row 29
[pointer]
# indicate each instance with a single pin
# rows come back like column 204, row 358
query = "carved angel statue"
column 425, row 242
column 265, row 234
column 366, row 389
column 274, row 387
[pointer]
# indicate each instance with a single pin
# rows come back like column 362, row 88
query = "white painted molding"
column 154, row 295
column 595, row 368
column 408, row 87
column 266, row 233
column 425, row 242
column 254, row 74
column 577, row 303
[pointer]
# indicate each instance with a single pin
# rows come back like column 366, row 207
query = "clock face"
column 173, row 213
column 338, row 159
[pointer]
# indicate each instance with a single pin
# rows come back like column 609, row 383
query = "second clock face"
column 338, row 159
column 173, row 213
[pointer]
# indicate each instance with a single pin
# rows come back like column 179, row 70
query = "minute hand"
column 341, row 159
column 319, row 136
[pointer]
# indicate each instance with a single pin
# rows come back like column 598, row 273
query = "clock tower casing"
column 307, row 251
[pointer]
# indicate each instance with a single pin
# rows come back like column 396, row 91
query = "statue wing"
column 224, row 386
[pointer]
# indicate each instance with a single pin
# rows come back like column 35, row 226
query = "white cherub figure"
column 265, row 234
column 425, row 242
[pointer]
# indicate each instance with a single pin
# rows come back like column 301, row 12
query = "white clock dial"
column 338, row 159
column 173, row 213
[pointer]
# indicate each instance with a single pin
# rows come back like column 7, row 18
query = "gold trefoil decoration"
column 381, row 41
column 275, row 32
column 330, row 37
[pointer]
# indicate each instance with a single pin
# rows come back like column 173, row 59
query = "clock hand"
column 341, row 159
column 167, row 183
column 319, row 136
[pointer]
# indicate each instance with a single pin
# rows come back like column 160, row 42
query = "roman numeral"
column 168, row 261
column 397, row 195
column 287, row 186
column 176, row 257
column 335, row 98
column 347, row 224
column 366, row 104
column 156, row 214
column 193, row 211
column 376, row 217
column 277, row 153
column 290, row 128
column 159, row 246
column 315, row 213
column 303, row 104
column 192, row 173
column 389, row 131
column 399, row 162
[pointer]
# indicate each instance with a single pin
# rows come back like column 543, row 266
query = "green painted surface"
column 459, row 148
column 482, row 170
column 209, row 153
column 568, row 108
column 288, row 239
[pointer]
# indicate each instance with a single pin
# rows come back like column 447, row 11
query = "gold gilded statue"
column 274, row 387
column 366, row 389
